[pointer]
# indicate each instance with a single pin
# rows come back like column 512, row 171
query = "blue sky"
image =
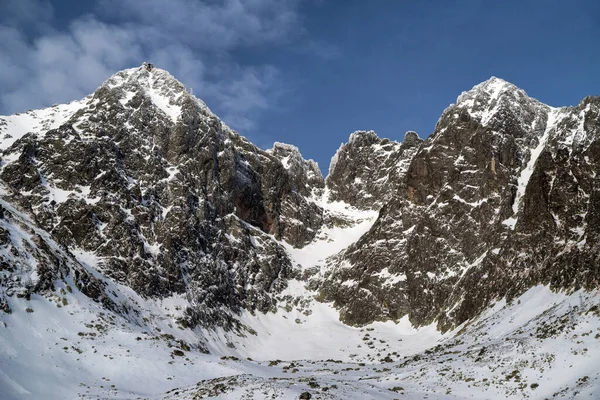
column 306, row 72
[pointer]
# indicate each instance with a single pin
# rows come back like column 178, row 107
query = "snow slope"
column 305, row 328
column 543, row 345
column 36, row 121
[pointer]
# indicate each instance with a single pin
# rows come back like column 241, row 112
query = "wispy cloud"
column 247, row 91
column 194, row 40
column 214, row 25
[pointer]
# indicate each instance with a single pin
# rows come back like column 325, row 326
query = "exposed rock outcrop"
column 143, row 183
column 366, row 171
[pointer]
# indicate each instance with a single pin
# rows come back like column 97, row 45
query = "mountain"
column 144, row 177
column 147, row 250
column 500, row 198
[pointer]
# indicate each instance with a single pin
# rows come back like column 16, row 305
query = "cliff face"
column 501, row 197
column 366, row 171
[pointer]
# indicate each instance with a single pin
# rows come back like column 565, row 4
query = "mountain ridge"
column 367, row 172
column 482, row 162
column 139, row 203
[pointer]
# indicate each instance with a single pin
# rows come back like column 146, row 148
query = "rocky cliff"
column 167, row 198
column 501, row 197
column 366, row 171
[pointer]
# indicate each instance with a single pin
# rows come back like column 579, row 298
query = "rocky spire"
column 365, row 171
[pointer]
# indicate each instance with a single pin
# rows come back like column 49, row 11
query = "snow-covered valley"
column 64, row 345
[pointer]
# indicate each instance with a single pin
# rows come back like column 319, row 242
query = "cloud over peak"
column 194, row 40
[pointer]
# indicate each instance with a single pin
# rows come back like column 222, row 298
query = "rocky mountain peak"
column 143, row 178
column 411, row 139
column 291, row 157
column 491, row 90
column 140, row 199
column 154, row 84
column 305, row 175
column 498, row 199
column 493, row 86
column 145, row 78
column 495, row 100
column 363, row 138
column 366, row 171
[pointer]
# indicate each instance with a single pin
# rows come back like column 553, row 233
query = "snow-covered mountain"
column 501, row 197
column 147, row 250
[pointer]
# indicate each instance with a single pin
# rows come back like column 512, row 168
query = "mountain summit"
column 498, row 199
column 156, row 85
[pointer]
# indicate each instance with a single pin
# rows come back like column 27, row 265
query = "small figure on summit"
column 148, row 66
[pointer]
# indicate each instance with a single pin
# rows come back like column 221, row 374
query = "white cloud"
column 59, row 67
column 194, row 40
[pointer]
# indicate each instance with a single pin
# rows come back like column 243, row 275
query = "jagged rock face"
column 366, row 171
column 501, row 197
column 553, row 236
column 300, row 218
column 170, row 199
column 305, row 175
